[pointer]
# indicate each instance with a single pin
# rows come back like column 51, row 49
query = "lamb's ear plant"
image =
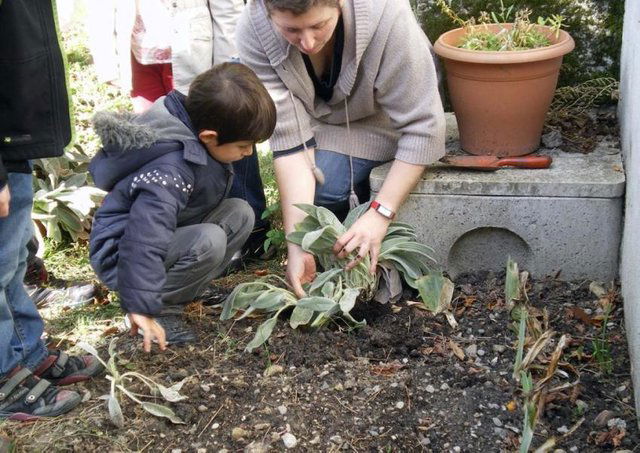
column 336, row 290
column 120, row 381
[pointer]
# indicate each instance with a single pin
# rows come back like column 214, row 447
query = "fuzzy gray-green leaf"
column 316, row 303
column 115, row 412
column 436, row 291
column 263, row 333
column 300, row 316
column 348, row 299
column 162, row 411
column 269, row 300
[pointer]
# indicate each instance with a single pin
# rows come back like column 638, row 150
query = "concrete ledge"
column 564, row 219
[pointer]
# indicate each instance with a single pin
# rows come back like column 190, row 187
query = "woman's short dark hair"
column 230, row 99
column 298, row 7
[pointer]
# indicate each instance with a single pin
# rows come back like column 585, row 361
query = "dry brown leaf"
column 511, row 405
column 456, row 349
column 580, row 314
column 386, row 369
column 110, row 331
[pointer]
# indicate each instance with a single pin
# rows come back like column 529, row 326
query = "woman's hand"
column 301, row 268
column 152, row 330
column 364, row 236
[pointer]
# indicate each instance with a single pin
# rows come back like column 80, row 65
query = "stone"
column 499, row 348
column 282, row 409
column 256, row 447
column 444, row 386
column 289, row 440
column 497, row 421
column 238, row 433
column 603, row 418
column 541, row 218
column 617, row 423
column 273, row 370
column 400, row 405
column 472, row 350
column 430, row 388
column 215, row 426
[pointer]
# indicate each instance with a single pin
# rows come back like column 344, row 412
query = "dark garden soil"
column 405, row 382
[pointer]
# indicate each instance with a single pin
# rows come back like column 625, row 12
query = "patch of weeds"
column 68, row 261
column 601, row 351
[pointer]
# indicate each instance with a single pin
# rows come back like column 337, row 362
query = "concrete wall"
column 629, row 111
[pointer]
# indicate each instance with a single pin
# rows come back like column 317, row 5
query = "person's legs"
column 199, row 253
column 148, row 83
column 247, row 185
column 334, row 193
column 20, row 323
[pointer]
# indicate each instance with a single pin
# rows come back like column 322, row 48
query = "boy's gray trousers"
column 200, row 253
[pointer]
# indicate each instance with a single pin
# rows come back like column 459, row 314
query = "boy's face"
column 227, row 153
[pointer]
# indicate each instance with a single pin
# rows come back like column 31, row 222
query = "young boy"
column 166, row 228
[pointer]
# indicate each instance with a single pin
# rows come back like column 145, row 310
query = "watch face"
column 385, row 211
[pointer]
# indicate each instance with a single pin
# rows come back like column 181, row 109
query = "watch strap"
column 382, row 210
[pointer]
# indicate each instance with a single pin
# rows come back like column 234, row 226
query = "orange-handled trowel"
column 491, row 163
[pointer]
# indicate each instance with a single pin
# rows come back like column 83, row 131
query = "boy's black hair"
column 297, row 7
column 230, row 99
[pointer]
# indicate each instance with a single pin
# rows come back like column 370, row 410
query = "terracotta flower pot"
column 501, row 98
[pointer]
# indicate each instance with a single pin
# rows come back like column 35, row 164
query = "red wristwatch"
column 382, row 210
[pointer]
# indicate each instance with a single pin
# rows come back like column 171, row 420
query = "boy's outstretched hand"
column 151, row 329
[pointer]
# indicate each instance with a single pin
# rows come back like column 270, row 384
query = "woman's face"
column 309, row 31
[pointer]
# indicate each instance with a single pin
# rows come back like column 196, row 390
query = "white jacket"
column 202, row 35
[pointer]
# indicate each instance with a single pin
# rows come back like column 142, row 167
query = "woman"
column 355, row 86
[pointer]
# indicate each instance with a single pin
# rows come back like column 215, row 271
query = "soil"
column 407, row 381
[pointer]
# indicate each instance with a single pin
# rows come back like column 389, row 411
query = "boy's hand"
column 301, row 268
column 152, row 330
column 5, row 198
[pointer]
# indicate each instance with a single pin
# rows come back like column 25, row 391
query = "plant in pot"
column 502, row 75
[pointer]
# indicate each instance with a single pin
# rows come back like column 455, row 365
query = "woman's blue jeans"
column 334, row 193
column 20, row 323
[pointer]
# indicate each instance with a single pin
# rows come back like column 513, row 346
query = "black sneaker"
column 25, row 397
column 62, row 369
column 176, row 330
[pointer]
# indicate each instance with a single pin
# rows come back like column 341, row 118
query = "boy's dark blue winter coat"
column 159, row 177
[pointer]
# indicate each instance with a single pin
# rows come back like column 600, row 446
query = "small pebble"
column 176, row 450
column 444, row 386
column 617, row 423
column 430, row 388
column 202, row 408
column 400, row 405
column 315, row 440
column 215, row 426
column 472, row 350
column 338, row 387
column 282, row 409
column 499, row 348
column 273, row 370
column 239, row 433
column 497, row 421
column 289, row 440
column 563, row 429
column 481, row 352
column 456, row 449
column 205, row 388
column 603, row 418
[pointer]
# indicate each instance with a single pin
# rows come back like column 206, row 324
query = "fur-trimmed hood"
column 131, row 141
